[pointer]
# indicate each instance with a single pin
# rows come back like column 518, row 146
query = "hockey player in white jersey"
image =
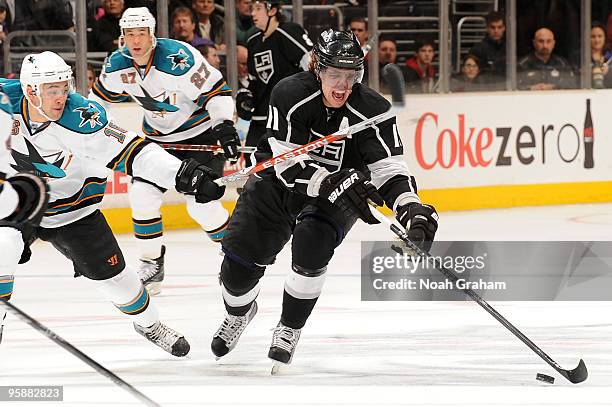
column 70, row 141
column 23, row 199
column 184, row 100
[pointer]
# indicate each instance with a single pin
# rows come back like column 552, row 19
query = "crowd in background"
column 548, row 48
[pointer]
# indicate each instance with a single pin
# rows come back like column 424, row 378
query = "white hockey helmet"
column 136, row 17
column 46, row 67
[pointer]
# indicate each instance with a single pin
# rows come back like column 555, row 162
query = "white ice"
column 351, row 353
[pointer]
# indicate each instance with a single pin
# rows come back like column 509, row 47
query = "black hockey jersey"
column 298, row 116
column 283, row 53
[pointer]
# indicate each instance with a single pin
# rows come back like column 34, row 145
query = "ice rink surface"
column 351, row 353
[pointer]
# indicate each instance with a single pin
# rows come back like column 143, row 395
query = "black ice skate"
column 2, row 325
column 166, row 338
column 284, row 341
column 229, row 332
column 151, row 273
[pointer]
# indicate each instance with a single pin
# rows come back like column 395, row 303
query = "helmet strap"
column 121, row 46
column 39, row 108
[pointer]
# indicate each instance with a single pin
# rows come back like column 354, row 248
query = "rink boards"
column 469, row 151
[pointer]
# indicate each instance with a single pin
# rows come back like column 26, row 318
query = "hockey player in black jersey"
column 317, row 197
column 280, row 49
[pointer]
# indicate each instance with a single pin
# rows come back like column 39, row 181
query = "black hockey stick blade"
column 577, row 375
column 76, row 352
column 395, row 79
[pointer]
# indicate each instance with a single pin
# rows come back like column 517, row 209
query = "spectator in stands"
column 106, row 32
column 244, row 22
column 543, row 70
column 421, row 72
column 91, row 76
column 469, row 79
column 5, row 19
column 359, row 26
column 387, row 54
column 210, row 23
column 601, row 57
column 4, row 13
column 4, row 30
column 242, row 54
column 491, row 51
column 209, row 51
column 43, row 15
column 387, row 51
column 184, row 27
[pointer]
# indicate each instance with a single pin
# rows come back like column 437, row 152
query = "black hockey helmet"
column 271, row 3
column 339, row 49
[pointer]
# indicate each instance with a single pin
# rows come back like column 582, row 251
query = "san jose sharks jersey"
column 75, row 154
column 181, row 94
column 298, row 116
column 8, row 196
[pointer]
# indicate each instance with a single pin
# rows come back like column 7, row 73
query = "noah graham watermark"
column 404, row 264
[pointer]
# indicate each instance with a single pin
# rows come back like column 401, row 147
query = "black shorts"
column 89, row 243
column 216, row 162
column 265, row 217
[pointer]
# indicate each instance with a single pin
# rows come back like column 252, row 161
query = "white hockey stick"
column 393, row 76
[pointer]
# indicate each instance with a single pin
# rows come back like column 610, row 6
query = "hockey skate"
column 284, row 341
column 2, row 325
column 151, row 272
column 226, row 337
column 164, row 337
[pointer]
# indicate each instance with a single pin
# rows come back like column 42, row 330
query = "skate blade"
column 153, row 288
column 276, row 368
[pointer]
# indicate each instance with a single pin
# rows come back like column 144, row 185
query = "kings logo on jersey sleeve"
column 264, row 65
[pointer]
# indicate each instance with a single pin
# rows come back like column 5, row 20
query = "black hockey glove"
column 228, row 137
column 33, row 195
column 196, row 179
column 245, row 104
column 350, row 190
column 423, row 223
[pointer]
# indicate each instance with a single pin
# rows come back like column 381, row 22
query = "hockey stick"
column 393, row 76
column 205, row 147
column 576, row 375
column 70, row 348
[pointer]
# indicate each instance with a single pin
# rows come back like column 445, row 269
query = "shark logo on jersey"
column 33, row 162
column 155, row 103
column 264, row 65
column 89, row 115
column 179, row 60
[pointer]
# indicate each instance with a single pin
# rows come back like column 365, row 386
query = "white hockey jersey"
column 8, row 196
column 181, row 94
column 75, row 153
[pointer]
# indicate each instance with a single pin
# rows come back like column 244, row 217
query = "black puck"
column 545, row 378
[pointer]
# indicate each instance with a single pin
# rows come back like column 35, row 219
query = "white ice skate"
column 166, row 338
column 226, row 337
column 284, row 341
column 151, row 273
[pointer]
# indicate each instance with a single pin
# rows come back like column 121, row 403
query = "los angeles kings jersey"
column 298, row 116
column 8, row 196
column 181, row 94
column 284, row 53
column 75, row 153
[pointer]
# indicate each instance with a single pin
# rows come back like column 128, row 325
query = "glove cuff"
column 314, row 184
column 405, row 199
